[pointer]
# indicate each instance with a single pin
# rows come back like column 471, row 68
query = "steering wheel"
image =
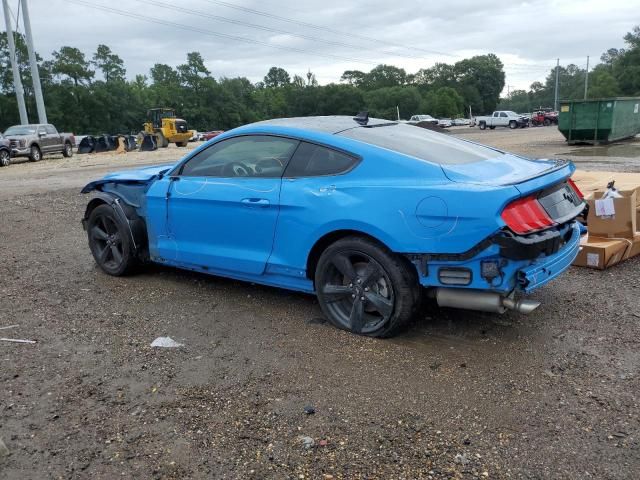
column 237, row 169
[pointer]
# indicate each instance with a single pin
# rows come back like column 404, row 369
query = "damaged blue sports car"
column 368, row 214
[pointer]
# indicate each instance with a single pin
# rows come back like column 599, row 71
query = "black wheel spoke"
column 344, row 265
column 356, row 319
column 117, row 256
column 103, row 255
column 97, row 232
column 383, row 305
column 334, row 293
column 105, row 225
column 371, row 274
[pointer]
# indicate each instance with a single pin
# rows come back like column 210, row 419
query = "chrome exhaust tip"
column 482, row 301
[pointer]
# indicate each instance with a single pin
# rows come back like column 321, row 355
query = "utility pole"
column 586, row 79
column 555, row 96
column 35, row 75
column 17, row 83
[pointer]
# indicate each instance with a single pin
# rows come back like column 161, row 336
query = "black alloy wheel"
column 364, row 288
column 109, row 241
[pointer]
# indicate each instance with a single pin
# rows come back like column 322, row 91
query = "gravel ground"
column 458, row 395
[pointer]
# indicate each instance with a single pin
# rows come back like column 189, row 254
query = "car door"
column 223, row 204
column 504, row 119
column 43, row 141
column 53, row 139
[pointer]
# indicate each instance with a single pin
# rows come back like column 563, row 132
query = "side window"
column 502, row 114
column 495, row 114
column 246, row 156
column 50, row 130
column 40, row 130
column 315, row 161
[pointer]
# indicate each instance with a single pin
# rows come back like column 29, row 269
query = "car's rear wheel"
column 492, row 127
column 482, row 125
column 364, row 288
column 513, row 124
column 68, row 150
column 35, row 155
column 109, row 241
column 5, row 158
column 547, row 122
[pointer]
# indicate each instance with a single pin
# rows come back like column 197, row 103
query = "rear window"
column 315, row 161
column 422, row 144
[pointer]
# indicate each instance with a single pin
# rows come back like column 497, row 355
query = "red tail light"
column 575, row 187
column 526, row 215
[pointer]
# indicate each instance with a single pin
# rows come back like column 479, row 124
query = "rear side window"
column 315, row 161
column 422, row 144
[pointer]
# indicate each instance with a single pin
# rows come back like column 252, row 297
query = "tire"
column 5, row 158
column 109, row 242
column 513, row 124
column 492, row 127
column 35, row 155
column 482, row 125
column 546, row 122
column 181, row 144
column 68, row 150
column 162, row 140
column 357, row 268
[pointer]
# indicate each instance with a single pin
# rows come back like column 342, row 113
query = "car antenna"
column 362, row 118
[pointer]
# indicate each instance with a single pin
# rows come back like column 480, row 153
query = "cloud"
column 527, row 35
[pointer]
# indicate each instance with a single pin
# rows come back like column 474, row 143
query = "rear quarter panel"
column 408, row 205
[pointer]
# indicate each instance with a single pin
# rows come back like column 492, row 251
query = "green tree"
column 276, row 77
column 109, row 63
column 70, row 62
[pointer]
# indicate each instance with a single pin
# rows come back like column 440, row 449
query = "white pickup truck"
column 502, row 118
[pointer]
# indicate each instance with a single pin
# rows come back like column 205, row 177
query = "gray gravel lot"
column 458, row 395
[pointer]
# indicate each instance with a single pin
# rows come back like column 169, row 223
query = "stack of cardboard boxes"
column 612, row 230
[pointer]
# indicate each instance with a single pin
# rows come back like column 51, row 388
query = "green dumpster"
column 601, row 120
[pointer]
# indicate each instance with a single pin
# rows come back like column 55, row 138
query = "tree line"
column 92, row 94
column 618, row 74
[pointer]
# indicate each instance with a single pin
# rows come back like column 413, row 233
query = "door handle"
column 255, row 202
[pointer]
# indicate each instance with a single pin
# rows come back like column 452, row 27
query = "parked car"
column 502, row 118
column 460, row 122
column 308, row 204
column 209, row 135
column 445, row 123
column 416, row 119
column 544, row 117
column 36, row 140
column 5, row 151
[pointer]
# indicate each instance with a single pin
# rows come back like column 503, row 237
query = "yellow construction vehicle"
column 163, row 125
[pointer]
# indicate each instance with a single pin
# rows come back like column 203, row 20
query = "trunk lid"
column 508, row 169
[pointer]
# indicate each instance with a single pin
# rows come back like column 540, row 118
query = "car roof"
column 324, row 124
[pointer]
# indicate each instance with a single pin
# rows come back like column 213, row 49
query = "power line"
column 219, row 18
column 159, row 21
column 326, row 29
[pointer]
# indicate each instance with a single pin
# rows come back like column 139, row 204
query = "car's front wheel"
column 513, row 124
column 365, row 288
column 35, row 155
column 109, row 241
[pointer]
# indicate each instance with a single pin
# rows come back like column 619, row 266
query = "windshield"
column 21, row 130
column 512, row 114
column 423, row 144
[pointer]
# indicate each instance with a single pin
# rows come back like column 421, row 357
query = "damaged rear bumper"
column 549, row 267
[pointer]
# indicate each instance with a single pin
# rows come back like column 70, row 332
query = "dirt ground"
column 552, row 395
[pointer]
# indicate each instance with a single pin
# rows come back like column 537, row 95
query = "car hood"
column 139, row 175
column 503, row 170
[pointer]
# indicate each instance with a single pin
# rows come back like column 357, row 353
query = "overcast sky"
column 339, row 34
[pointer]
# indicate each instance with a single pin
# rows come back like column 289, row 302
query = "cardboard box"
column 621, row 224
column 600, row 253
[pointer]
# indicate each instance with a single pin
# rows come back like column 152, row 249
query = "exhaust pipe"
column 482, row 301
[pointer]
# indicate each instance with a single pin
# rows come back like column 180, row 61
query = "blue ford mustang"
column 367, row 214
